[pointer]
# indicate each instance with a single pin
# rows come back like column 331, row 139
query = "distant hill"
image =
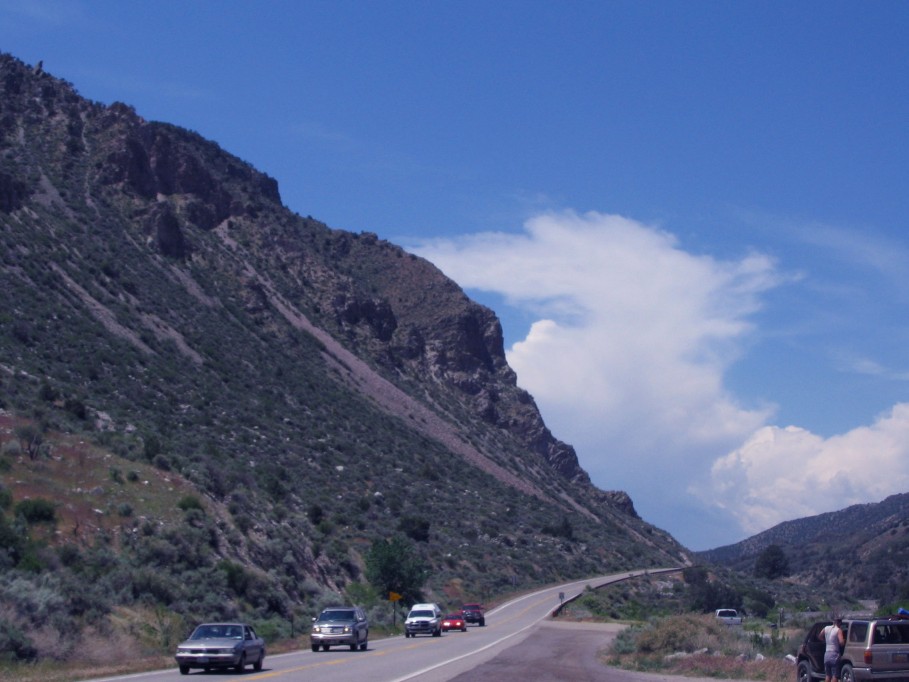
column 862, row 550
column 213, row 407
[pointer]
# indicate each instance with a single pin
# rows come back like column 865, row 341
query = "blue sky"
column 690, row 216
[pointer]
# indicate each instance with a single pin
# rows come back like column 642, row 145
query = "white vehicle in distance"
column 423, row 619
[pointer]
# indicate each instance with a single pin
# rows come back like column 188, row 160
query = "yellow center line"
column 339, row 661
column 395, row 645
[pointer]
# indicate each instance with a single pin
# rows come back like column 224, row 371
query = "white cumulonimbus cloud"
column 626, row 357
column 631, row 340
column 787, row 473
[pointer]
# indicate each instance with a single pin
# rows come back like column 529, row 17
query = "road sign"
column 394, row 596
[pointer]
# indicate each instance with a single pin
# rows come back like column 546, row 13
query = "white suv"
column 423, row 619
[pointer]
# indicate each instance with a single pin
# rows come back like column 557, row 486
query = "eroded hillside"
column 314, row 389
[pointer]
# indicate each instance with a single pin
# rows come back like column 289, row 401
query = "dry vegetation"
column 695, row 645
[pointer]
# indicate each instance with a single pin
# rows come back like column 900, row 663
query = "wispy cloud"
column 862, row 248
column 849, row 362
column 48, row 12
column 330, row 140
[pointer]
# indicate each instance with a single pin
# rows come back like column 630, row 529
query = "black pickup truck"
column 473, row 613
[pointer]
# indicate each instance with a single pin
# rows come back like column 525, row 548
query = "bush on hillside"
column 37, row 510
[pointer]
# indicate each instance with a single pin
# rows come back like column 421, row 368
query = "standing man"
column 833, row 636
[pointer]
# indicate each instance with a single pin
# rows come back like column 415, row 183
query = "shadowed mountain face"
column 314, row 389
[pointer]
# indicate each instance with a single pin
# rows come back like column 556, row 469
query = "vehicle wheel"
column 482, row 622
column 257, row 666
column 364, row 644
column 464, row 629
column 804, row 672
column 242, row 664
column 325, row 647
column 406, row 634
column 846, row 674
column 184, row 670
column 315, row 647
column 353, row 647
column 437, row 633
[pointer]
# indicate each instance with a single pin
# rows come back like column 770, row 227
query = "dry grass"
column 698, row 646
column 732, row 668
column 56, row 672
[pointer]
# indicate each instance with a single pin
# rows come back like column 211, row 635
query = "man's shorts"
column 832, row 665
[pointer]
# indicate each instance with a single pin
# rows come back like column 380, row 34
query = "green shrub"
column 238, row 579
column 37, row 510
column 315, row 514
column 12, row 545
column 188, row 502
column 415, row 528
column 14, row 645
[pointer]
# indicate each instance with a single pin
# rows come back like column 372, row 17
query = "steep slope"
column 316, row 390
column 862, row 550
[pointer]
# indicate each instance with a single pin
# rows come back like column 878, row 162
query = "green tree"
column 772, row 563
column 393, row 566
column 709, row 596
column 695, row 575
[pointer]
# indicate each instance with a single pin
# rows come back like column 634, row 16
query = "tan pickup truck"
column 876, row 649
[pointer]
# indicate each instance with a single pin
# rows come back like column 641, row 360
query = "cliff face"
column 399, row 310
column 159, row 298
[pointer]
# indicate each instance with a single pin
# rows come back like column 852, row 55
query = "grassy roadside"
column 665, row 634
column 696, row 645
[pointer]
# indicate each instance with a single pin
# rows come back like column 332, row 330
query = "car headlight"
column 316, row 629
column 347, row 628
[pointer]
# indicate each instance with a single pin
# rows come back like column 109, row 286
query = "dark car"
column 221, row 645
column 474, row 613
column 454, row 621
column 344, row 625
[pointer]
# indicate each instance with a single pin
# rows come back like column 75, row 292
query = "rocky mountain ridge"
column 310, row 392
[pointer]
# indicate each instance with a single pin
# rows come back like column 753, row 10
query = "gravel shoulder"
column 569, row 651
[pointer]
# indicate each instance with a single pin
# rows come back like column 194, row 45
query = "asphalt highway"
column 453, row 656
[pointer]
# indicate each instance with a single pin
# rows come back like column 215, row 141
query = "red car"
column 454, row 621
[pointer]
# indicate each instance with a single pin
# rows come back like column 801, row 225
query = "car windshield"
column 421, row 614
column 218, row 632
column 339, row 614
column 453, row 616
